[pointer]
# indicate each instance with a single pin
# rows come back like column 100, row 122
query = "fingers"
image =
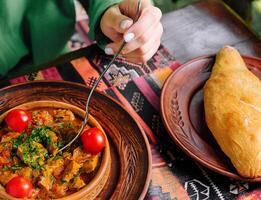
column 143, row 43
column 143, row 55
column 142, row 37
column 129, row 7
column 113, row 23
column 150, row 16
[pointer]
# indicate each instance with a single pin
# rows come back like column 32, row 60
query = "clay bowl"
column 182, row 111
column 131, row 163
column 94, row 187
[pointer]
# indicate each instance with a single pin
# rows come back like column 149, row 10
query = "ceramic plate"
column 130, row 152
column 182, row 111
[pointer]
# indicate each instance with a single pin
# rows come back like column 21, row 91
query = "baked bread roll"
column 232, row 101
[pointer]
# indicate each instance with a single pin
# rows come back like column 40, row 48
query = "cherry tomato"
column 18, row 119
column 19, row 187
column 93, row 140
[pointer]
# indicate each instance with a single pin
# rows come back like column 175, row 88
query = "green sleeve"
column 95, row 10
column 33, row 32
column 256, row 17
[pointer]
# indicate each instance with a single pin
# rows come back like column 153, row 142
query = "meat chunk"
column 42, row 194
column 52, row 147
column 26, row 172
column 46, row 180
column 32, row 154
column 70, row 171
column 67, row 157
column 59, row 189
column 62, row 115
column 91, row 164
column 77, row 183
column 36, row 194
column 42, row 118
column 53, row 136
column 80, row 156
column 9, row 136
column 55, row 166
column 5, row 153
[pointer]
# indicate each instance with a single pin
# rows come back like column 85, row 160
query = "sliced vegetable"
column 93, row 140
column 18, row 119
column 19, row 187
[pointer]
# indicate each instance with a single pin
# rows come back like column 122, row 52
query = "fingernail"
column 108, row 51
column 126, row 24
column 129, row 37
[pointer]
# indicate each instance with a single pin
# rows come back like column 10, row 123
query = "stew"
column 33, row 155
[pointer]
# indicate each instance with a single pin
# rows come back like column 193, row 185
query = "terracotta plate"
column 182, row 110
column 130, row 152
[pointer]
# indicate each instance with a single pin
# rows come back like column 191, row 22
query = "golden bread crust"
column 232, row 101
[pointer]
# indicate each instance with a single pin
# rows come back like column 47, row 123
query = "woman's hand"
column 142, row 37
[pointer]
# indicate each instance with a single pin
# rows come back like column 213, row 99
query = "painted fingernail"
column 108, row 51
column 126, row 24
column 129, row 37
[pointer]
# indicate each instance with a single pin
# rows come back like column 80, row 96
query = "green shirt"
column 40, row 29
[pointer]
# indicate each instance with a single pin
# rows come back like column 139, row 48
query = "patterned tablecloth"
column 138, row 88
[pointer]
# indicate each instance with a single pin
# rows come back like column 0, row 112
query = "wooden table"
column 203, row 28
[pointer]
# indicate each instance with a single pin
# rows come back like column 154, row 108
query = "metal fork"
column 136, row 17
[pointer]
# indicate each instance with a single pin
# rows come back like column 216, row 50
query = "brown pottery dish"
column 182, row 111
column 125, row 172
